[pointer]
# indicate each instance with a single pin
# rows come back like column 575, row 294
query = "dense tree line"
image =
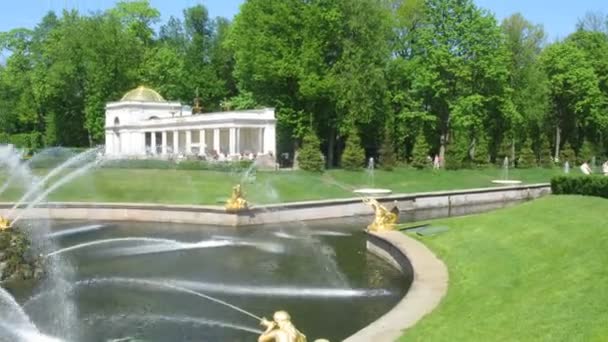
column 408, row 78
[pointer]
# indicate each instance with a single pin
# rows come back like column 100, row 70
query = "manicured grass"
column 210, row 187
column 534, row 272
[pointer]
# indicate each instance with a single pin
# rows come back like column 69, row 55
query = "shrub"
column 387, row 154
column 457, row 154
column 353, row 156
column 585, row 153
column 546, row 157
column 567, row 154
column 527, row 159
column 309, row 156
column 594, row 185
column 482, row 154
column 420, row 152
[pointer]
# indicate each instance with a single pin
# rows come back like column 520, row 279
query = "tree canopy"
column 397, row 72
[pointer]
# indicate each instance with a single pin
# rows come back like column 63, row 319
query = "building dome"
column 142, row 94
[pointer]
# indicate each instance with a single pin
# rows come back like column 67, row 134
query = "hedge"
column 594, row 185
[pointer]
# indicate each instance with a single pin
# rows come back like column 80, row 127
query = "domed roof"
column 142, row 94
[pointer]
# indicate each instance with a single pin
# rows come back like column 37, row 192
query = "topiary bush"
column 527, row 159
column 420, row 152
column 457, row 154
column 546, row 157
column 387, row 154
column 309, row 156
column 586, row 153
column 482, row 154
column 567, row 154
column 594, row 185
column 353, row 157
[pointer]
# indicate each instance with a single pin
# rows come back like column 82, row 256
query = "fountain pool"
column 148, row 281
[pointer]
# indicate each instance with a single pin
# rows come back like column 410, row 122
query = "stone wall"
column 412, row 206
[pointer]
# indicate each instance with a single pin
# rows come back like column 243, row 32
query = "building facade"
column 143, row 125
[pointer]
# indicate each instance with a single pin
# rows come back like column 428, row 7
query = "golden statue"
column 280, row 329
column 4, row 223
column 236, row 202
column 385, row 219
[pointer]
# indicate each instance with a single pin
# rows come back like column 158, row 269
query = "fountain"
column 236, row 202
column 505, row 175
column 127, row 283
column 372, row 191
column 566, row 167
column 383, row 219
column 280, row 329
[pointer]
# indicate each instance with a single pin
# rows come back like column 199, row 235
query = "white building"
column 143, row 124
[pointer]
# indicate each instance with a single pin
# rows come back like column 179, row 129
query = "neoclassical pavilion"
column 144, row 124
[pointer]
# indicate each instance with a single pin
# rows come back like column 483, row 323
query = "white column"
column 232, row 141
column 238, row 141
column 128, row 143
column 216, row 140
column 109, row 142
column 175, row 142
column 201, row 139
column 153, row 142
column 261, row 140
column 188, row 142
column 140, row 143
column 269, row 140
column 164, row 143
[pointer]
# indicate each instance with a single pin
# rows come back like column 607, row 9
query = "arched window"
column 116, row 121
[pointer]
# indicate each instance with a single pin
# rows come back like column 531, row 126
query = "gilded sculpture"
column 384, row 219
column 4, row 223
column 280, row 329
column 237, row 201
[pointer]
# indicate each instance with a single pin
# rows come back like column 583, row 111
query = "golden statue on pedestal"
column 236, row 202
column 4, row 223
column 385, row 219
column 280, row 329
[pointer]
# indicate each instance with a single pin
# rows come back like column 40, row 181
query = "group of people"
column 586, row 169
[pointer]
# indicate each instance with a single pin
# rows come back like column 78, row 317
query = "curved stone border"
column 416, row 207
column 428, row 287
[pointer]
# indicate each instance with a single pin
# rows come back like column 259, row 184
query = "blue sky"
column 558, row 16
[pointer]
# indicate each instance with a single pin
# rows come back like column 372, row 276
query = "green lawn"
column 534, row 272
column 209, row 187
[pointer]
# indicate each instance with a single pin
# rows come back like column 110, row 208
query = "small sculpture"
column 280, row 329
column 236, row 202
column 4, row 223
column 384, row 219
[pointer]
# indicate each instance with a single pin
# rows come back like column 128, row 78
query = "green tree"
column 586, row 153
column 527, row 158
column 387, row 154
column 457, row 154
column 546, row 157
column 137, row 16
column 461, row 71
column 527, row 81
column 567, row 154
column 310, row 157
column 482, row 156
column 574, row 92
column 353, row 157
column 420, row 154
